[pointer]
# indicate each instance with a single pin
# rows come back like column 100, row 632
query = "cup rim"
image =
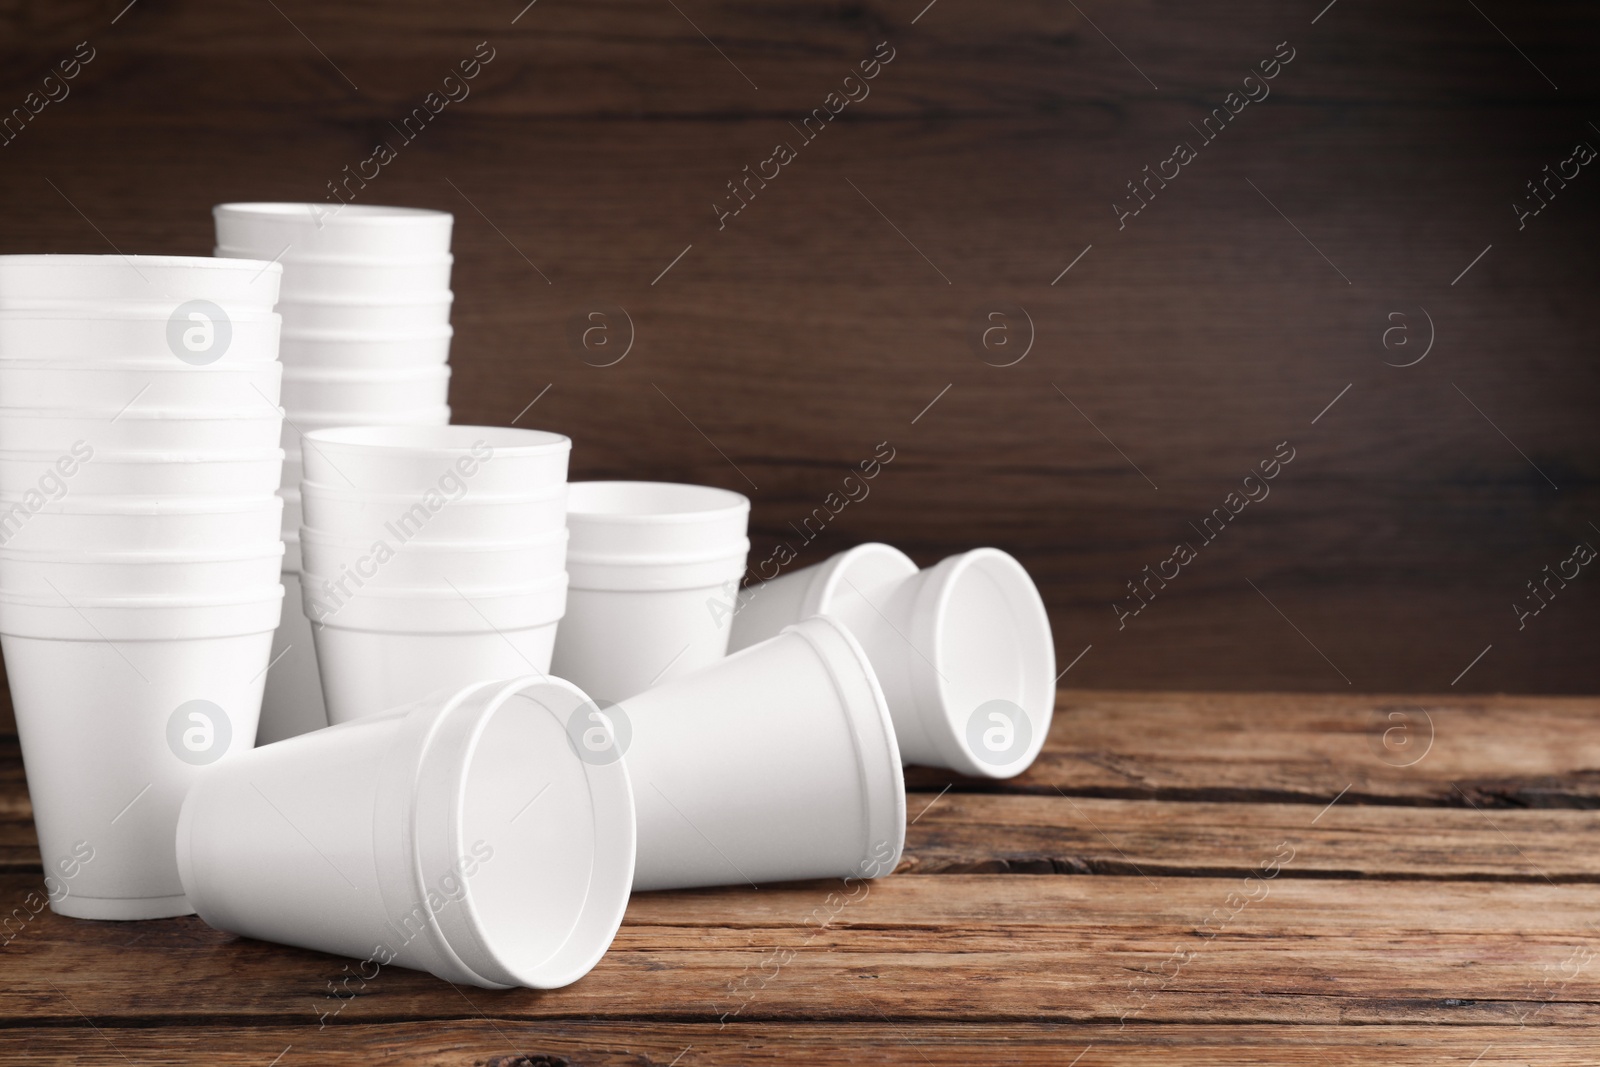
column 359, row 215
column 261, row 595
column 331, row 259
column 178, row 414
column 322, row 375
column 150, row 505
column 1022, row 596
column 360, row 496
column 422, row 297
column 318, row 335
column 406, row 441
column 425, row 547
column 155, row 262
column 719, row 503
column 162, row 458
column 92, row 557
column 474, row 931
column 89, row 310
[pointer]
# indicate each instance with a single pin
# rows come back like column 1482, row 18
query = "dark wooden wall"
column 777, row 352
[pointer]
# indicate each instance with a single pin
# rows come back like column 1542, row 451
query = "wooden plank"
column 628, row 56
column 982, row 834
column 917, row 948
column 508, row 1042
column 960, row 833
column 1234, row 770
column 1492, row 752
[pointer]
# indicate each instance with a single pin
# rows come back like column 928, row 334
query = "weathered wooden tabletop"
column 1195, row 879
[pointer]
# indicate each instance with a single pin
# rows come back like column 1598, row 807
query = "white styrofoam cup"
column 386, row 314
column 308, row 390
column 633, row 625
column 363, row 350
column 119, row 705
column 113, row 386
column 492, row 460
column 459, row 835
column 187, row 335
column 343, row 229
column 100, row 280
column 654, row 519
column 777, row 763
column 962, row 649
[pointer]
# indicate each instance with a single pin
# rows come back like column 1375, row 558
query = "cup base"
column 126, row 909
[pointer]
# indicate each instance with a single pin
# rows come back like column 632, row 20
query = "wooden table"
column 1181, row 878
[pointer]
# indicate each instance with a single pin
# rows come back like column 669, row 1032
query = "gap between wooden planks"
column 486, row 1042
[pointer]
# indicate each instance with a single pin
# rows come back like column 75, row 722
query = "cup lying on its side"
column 776, row 763
column 459, row 834
column 962, row 649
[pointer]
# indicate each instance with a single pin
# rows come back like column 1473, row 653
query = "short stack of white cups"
column 366, row 341
column 139, row 549
column 648, row 561
column 434, row 556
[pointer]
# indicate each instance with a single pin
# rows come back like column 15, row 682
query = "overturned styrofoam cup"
column 459, row 835
column 435, row 515
column 308, row 229
column 388, row 561
column 364, row 350
column 777, row 763
column 834, row 587
column 197, row 336
column 382, row 647
column 119, row 704
column 98, row 472
column 413, row 311
column 138, row 524
column 74, row 574
column 291, row 703
column 633, row 625
column 112, row 386
column 314, row 389
column 963, row 649
column 492, row 460
column 355, row 275
column 62, row 281
column 654, row 519
column 141, row 429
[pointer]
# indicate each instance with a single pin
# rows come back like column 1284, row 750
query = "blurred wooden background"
column 777, row 352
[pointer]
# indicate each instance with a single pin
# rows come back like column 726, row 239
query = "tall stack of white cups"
column 655, row 569
column 366, row 340
column 434, row 557
column 139, row 550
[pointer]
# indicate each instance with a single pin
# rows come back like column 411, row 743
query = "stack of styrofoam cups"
column 963, row 649
column 434, row 556
column 366, row 340
column 459, row 835
column 775, row 763
column 139, row 549
column 650, row 563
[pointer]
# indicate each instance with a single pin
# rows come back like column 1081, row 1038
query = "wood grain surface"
column 844, row 305
column 1185, row 921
